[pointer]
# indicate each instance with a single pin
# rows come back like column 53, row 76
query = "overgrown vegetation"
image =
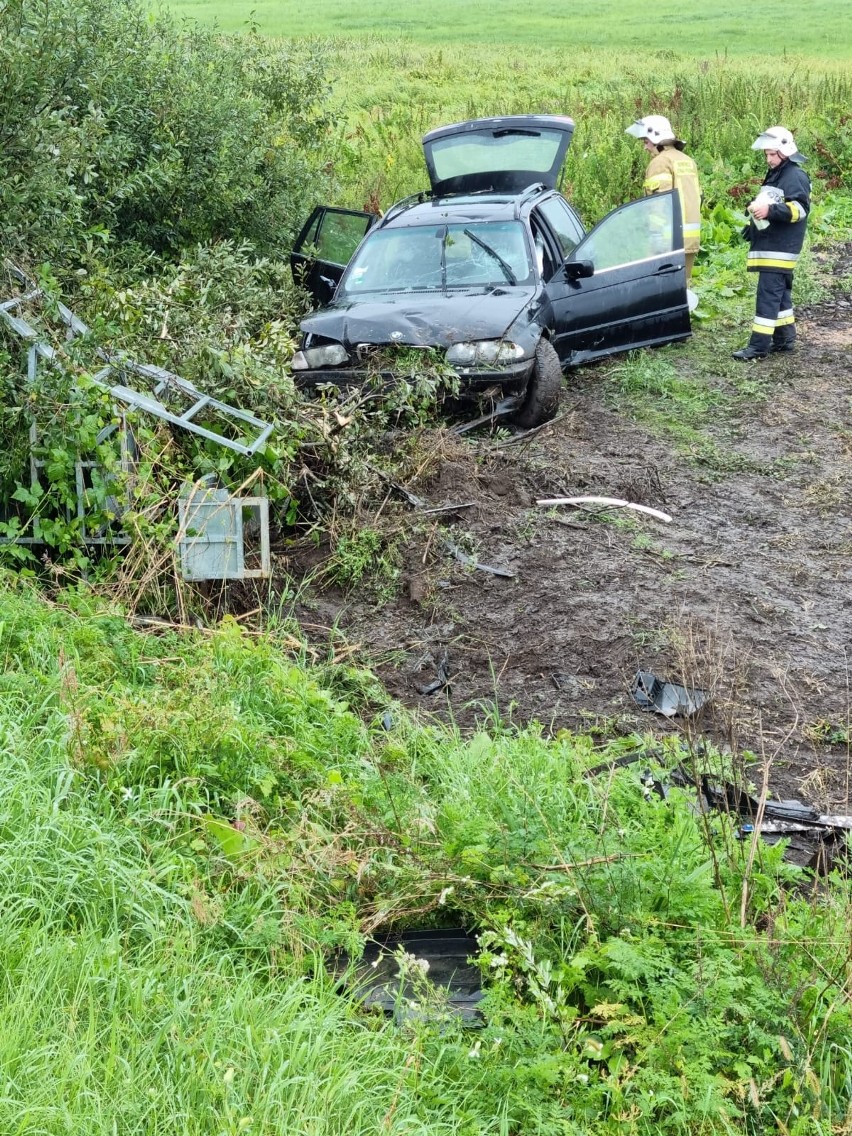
column 195, row 824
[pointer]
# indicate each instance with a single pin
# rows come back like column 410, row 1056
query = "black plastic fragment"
column 443, row 675
column 670, row 699
column 438, row 966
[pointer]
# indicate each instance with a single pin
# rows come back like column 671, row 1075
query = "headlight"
column 332, row 355
column 485, row 352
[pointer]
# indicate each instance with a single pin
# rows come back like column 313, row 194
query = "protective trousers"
column 774, row 323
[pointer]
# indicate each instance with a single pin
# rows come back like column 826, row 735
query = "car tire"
column 542, row 394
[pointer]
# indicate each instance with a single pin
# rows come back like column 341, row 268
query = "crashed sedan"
column 493, row 267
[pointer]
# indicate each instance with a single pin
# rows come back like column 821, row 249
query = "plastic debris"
column 422, row 974
column 607, row 503
column 670, row 699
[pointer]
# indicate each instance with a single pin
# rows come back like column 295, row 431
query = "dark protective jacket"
column 777, row 247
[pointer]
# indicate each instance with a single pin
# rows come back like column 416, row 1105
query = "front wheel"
column 542, row 395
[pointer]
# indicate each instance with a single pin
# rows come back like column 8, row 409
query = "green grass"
column 163, row 971
column 822, row 28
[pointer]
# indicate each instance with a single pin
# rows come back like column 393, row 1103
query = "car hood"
column 421, row 319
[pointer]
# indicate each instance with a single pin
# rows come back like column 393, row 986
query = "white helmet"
column 779, row 138
column 654, row 127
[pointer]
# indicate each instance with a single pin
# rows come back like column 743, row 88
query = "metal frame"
column 162, row 382
column 162, row 385
column 210, row 539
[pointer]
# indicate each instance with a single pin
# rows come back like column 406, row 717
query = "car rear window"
column 532, row 150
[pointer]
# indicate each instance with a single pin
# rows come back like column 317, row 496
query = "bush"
column 119, row 127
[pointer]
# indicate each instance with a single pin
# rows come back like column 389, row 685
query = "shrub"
column 121, row 127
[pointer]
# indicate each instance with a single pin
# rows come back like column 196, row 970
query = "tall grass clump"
column 194, row 825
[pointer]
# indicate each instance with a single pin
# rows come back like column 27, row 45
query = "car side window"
column 339, row 235
column 564, row 222
column 544, row 255
column 638, row 231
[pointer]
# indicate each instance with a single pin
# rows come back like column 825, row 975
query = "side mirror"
column 579, row 269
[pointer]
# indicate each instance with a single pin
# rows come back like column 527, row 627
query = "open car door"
column 324, row 248
column 624, row 285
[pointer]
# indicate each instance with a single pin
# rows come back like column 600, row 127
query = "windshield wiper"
column 507, row 271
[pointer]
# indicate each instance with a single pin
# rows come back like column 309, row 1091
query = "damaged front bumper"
column 512, row 378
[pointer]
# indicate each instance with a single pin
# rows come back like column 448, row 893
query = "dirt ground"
column 745, row 593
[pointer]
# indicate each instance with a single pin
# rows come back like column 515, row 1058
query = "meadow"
column 822, row 29
column 721, row 75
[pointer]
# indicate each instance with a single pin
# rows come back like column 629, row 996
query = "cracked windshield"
column 438, row 256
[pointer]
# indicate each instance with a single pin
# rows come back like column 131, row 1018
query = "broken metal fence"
column 211, row 536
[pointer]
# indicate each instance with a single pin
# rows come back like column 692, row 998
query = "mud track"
column 745, row 594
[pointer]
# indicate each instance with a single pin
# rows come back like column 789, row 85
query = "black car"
column 494, row 267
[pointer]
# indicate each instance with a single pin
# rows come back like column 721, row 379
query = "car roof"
column 456, row 209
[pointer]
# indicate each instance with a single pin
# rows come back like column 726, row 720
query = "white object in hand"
column 769, row 195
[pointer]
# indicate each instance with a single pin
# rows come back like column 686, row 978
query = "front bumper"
column 512, row 378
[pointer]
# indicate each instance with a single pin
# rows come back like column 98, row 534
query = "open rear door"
column 324, row 248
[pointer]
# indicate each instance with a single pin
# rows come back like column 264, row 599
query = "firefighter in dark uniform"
column 776, row 233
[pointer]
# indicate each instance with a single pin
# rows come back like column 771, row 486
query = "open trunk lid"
column 498, row 155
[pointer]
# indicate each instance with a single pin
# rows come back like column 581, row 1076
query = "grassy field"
column 722, row 74
column 193, row 823
column 821, row 28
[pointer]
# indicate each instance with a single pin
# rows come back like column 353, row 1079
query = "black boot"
column 750, row 352
column 783, row 338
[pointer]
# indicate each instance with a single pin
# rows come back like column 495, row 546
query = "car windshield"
column 426, row 257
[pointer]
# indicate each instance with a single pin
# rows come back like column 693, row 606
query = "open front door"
column 624, row 285
column 324, row 248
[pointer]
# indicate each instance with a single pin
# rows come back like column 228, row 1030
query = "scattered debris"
column 667, row 698
column 443, row 675
column 606, row 502
column 472, row 562
column 418, row 974
column 814, row 840
column 211, row 538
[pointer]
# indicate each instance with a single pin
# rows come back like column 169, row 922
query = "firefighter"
column 671, row 168
column 776, row 233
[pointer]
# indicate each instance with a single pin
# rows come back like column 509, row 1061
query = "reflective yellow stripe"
column 783, row 321
column 661, row 181
column 758, row 329
column 768, row 262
